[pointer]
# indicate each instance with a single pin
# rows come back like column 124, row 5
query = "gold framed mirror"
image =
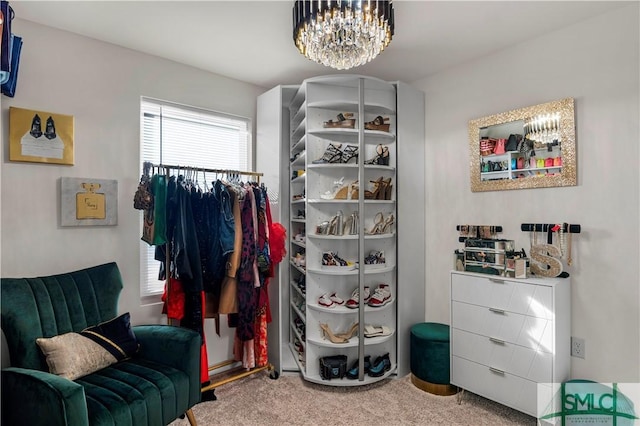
column 532, row 147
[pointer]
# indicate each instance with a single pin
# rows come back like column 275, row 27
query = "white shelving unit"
column 301, row 139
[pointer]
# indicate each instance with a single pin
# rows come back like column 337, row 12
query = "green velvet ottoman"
column 430, row 358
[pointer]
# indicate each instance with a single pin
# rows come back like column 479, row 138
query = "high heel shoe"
column 323, row 228
column 378, row 192
column 335, row 225
column 386, row 190
column 338, row 185
column 332, row 154
column 380, row 365
column 378, row 123
column 36, row 127
column 352, row 373
column 388, row 223
column 50, row 130
column 328, row 334
column 349, row 333
column 382, row 156
column 378, row 225
column 350, row 152
column 344, row 120
column 351, row 224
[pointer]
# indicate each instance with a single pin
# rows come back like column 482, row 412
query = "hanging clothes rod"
column 201, row 169
column 545, row 227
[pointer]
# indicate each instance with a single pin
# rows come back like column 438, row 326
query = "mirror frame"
column 565, row 107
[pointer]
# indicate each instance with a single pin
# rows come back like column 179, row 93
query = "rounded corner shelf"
column 344, row 382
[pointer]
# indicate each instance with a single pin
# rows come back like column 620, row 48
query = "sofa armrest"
column 33, row 397
column 176, row 347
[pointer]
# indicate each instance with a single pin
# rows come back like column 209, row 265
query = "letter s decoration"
column 545, row 260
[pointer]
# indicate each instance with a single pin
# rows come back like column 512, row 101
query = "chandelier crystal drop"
column 342, row 34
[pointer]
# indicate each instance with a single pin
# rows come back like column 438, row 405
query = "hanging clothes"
column 217, row 246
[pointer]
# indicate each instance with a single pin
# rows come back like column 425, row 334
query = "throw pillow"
column 73, row 355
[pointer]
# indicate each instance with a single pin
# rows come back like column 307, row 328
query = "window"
column 181, row 135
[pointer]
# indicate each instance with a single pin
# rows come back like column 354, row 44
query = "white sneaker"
column 336, row 299
column 325, row 301
column 355, row 298
column 381, row 296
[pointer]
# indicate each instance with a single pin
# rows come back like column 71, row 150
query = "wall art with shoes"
column 40, row 137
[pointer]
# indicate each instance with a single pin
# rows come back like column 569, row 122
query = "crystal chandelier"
column 342, row 34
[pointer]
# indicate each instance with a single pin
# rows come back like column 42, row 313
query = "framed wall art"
column 40, row 136
column 88, row 202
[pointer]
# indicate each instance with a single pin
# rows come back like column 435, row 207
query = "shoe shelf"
column 299, row 145
column 319, row 101
column 299, row 162
column 354, row 271
column 298, row 268
column 333, row 237
column 353, row 342
column 347, row 382
column 347, row 135
column 299, row 131
column 372, row 108
column 297, row 310
column 298, row 243
column 298, row 116
column 343, row 310
column 297, row 356
column 299, row 179
column 297, row 289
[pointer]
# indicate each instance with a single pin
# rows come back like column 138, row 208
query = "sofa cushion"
column 74, row 355
column 135, row 392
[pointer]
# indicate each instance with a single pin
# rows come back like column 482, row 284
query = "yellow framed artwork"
column 40, row 136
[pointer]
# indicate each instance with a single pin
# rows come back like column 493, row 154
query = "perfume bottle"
column 90, row 204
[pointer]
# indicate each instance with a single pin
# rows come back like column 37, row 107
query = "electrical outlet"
column 577, row 347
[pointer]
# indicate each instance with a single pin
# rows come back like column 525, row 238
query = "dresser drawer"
column 530, row 332
column 528, row 299
column 505, row 388
column 524, row 362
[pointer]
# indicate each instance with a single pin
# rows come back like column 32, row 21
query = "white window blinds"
column 187, row 136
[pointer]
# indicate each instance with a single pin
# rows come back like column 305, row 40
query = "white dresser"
column 508, row 335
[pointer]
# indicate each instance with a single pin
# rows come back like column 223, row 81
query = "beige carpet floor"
column 290, row 400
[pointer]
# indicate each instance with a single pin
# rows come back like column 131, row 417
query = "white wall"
column 597, row 63
column 100, row 85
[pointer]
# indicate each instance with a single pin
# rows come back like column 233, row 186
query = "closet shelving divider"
column 239, row 372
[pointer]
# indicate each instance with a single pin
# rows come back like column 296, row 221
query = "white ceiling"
column 252, row 40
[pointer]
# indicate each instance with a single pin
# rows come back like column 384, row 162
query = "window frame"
column 148, row 292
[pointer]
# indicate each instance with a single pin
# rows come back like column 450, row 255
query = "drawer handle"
column 495, row 370
column 497, row 281
column 497, row 311
column 498, row 341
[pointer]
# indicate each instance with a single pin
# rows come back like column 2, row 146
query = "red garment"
column 204, row 357
column 174, row 307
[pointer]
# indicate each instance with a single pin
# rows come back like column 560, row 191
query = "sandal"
column 344, row 120
column 331, row 155
column 378, row 225
column 376, row 330
column 381, row 158
column 350, row 152
column 378, row 123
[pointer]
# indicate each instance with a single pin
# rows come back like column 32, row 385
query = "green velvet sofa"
column 154, row 386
